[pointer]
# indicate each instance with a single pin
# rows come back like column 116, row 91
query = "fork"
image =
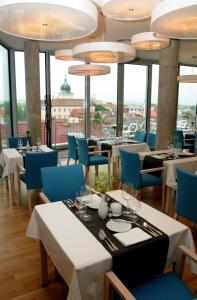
column 102, row 238
column 102, row 232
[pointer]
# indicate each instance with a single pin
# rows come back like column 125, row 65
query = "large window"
column 154, row 98
column 68, row 93
column 135, row 91
column 42, row 95
column 187, row 100
column 104, row 103
column 5, row 116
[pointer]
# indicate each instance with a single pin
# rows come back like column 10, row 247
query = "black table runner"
column 135, row 263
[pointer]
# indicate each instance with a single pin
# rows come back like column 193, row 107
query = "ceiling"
column 111, row 30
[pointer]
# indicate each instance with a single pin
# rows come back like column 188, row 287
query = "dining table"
column 80, row 257
column 9, row 159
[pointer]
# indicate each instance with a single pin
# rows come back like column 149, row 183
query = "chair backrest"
column 186, row 199
column 178, row 138
column 140, row 136
column 13, row 141
column 130, row 168
column 61, row 183
column 33, row 164
column 83, row 152
column 151, row 140
column 72, row 147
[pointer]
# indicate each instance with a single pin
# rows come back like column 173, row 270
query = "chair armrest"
column 189, row 140
column 44, row 198
column 152, row 170
column 187, row 252
column 20, row 168
column 183, row 253
column 93, row 146
column 111, row 280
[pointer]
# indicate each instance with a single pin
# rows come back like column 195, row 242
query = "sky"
column 102, row 87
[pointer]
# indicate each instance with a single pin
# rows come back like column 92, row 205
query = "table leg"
column 164, row 173
column 44, row 266
column 6, row 183
column 11, row 187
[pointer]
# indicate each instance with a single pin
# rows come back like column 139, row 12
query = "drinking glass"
column 79, row 204
column 86, row 197
column 38, row 143
column 135, row 206
column 20, row 145
column 126, row 196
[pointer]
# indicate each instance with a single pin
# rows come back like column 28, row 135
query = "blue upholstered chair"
column 92, row 158
column 72, row 148
column 140, row 136
column 61, row 183
column 167, row 286
column 13, row 141
column 186, row 197
column 179, row 140
column 31, row 175
column 132, row 174
column 151, row 140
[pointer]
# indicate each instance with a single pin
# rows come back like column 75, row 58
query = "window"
column 186, row 112
column 154, row 98
column 5, row 115
column 104, row 103
column 135, row 90
column 42, row 94
column 66, row 90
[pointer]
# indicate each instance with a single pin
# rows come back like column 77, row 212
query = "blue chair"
column 179, row 140
column 31, row 175
column 132, row 174
column 151, row 140
column 92, row 158
column 61, row 183
column 140, row 136
column 186, row 197
column 72, row 148
column 167, row 286
column 13, row 141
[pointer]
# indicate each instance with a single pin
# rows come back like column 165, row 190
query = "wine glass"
column 20, row 145
column 79, row 204
column 126, row 196
column 136, row 207
column 86, row 197
column 38, row 143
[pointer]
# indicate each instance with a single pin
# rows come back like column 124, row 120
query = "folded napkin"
column 133, row 236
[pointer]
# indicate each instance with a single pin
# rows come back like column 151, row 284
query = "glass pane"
column 21, row 93
column 135, row 90
column 104, row 103
column 68, row 94
column 42, row 95
column 187, row 101
column 154, row 98
column 5, row 117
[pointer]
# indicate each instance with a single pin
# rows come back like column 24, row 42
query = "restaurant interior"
column 98, row 149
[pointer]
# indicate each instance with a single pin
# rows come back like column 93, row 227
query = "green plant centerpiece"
column 103, row 182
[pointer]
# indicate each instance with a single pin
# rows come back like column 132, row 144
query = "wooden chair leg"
column 68, row 160
column 6, row 183
column 96, row 170
column 86, row 173
column 109, row 171
column 29, row 197
column 44, row 267
column 19, row 186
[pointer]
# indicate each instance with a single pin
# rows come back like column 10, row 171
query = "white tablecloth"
column 79, row 257
column 10, row 157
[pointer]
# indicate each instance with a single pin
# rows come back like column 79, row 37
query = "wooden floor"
column 19, row 255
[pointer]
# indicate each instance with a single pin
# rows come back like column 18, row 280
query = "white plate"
column 95, row 202
column 118, row 226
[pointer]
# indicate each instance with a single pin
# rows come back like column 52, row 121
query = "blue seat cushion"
column 165, row 287
column 98, row 160
column 150, row 180
column 23, row 177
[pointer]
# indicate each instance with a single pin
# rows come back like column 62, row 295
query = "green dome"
column 65, row 87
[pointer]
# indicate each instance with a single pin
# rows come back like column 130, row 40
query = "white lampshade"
column 64, row 54
column 187, row 78
column 104, row 52
column 147, row 41
column 128, row 10
column 176, row 19
column 50, row 20
column 89, row 70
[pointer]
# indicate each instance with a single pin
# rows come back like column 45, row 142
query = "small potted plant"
column 103, row 182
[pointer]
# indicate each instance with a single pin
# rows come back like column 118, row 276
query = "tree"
column 98, row 118
column 100, row 107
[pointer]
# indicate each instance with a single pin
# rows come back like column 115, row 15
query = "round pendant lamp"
column 65, row 54
column 48, row 20
column 187, row 78
column 128, row 10
column 104, row 52
column 175, row 19
column 147, row 41
column 89, row 70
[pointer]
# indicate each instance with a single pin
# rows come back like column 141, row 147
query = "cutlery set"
column 104, row 237
column 70, row 203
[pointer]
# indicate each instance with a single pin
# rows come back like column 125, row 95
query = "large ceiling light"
column 176, row 19
column 104, row 52
column 89, row 70
column 147, row 41
column 65, row 54
column 128, row 10
column 50, row 20
column 187, row 78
